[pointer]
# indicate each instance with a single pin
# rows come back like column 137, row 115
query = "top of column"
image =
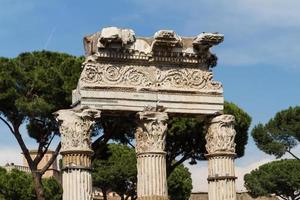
column 164, row 46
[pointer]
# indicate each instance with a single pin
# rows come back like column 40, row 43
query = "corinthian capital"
column 151, row 131
column 220, row 135
column 75, row 127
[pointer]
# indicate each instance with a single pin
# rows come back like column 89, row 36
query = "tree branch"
column 39, row 155
column 8, row 125
column 293, row 155
column 97, row 141
column 24, row 148
column 52, row 159
column 283, row 197
column 42, row 152
column 15, row 131
column 177, row 163
column 130, row 144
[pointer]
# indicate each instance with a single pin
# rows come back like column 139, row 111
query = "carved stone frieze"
column 157, row 78
column 220, row 135
column 151, row 132
column 75, row 127
column 126, row 72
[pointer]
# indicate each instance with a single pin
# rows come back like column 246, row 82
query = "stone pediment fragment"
column 115, row 35
column 108, row 38
column 166, row 39
column 207, row 40
column 164, row 47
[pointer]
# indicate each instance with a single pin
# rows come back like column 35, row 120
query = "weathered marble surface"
column 150, row 137
column 220, row 146
column 240, row 196
column 123, row 72
column 75, row 127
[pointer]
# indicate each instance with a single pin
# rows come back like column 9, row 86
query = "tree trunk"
column 37, row 178
column 104, row 192
column 122, row 197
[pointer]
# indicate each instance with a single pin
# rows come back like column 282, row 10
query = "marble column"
column 151, row 157
column 75, row 127
column 220, row 146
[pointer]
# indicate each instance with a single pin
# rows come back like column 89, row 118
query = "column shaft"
column 221, row 177
column 77, row 184
column 221, row 153
column 152, row 176
column 75, row 128
column 151, row 158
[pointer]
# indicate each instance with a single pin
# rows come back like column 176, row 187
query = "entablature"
column 123, row 72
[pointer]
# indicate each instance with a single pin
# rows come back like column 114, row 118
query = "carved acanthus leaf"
column 220, row 135
column 151, row 132
column 75, row 127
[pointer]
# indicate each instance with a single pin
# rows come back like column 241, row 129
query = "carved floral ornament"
column 96, row 74
column 151, row 131
column 75, row 127
column 220, row 135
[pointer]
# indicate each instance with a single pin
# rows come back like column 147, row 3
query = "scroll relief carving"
column 151, row 132
column 151, row 77
column 220, row 135
column 75, row 127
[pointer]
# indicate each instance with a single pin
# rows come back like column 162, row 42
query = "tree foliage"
column 17, row 185
column 180, row 183
column 280, row 134
column 33, row 86
column 278, row 177
column 116, row 171
column 186, row 137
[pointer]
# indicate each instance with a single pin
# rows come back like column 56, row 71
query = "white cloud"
column 199, row 175
column 241, row 171
column 256, row 32
column 199, row 171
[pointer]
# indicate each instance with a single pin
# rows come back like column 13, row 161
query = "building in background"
column 239, row 196
column 53, row 170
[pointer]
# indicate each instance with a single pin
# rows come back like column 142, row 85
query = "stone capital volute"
column 151, row 131
column 75, row 127
column 220, row 135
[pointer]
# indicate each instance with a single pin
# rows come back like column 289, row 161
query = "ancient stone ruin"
column 152, row 79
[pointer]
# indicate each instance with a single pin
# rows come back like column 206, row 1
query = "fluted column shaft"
column 151, row 157
column 75, row 128
column 221, row 153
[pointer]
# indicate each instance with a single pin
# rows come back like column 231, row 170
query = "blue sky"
column 258, row 65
